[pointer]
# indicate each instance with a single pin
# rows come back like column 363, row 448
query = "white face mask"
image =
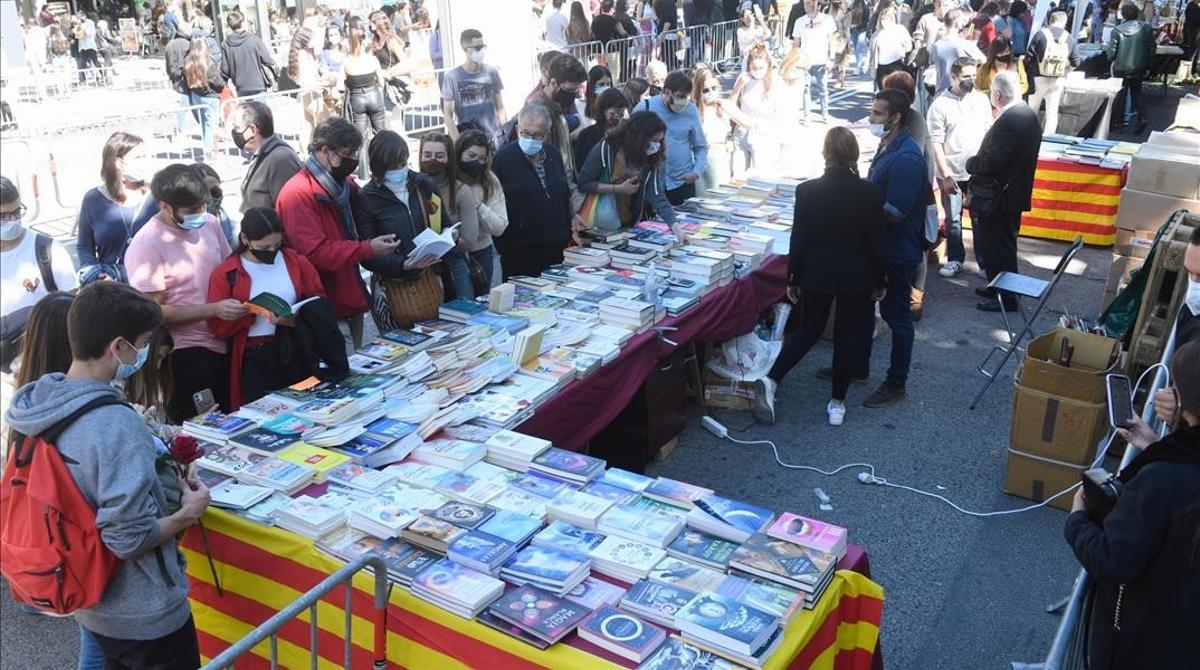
column 878, row 129
column 600, row 88
column 10, row 230
column 478, row 55
column 652, row 147
column 711, row 96
column 1192, row 297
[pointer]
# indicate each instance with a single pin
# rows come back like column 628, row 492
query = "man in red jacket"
column 318, row 219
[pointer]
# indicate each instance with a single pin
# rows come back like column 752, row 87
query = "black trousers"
column 997, row 238
column 886, row 69
column 528, row 260
column 679, row 194
column 195, row 369
column 851, row 332
column 177, row 651
column 262, row 371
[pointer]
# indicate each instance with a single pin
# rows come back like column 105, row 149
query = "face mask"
column 133, row 172
column 239, row 138
column 529, row 145
column 966, row 85
column 10, row 230
column 678, row 105
column 348, row 166
column 213, row 205
column 878, row 129
column 653, row 147
column 711, row 96
column 1192, row 297
column 563, row 98
column 600, row 89
column 192, row 221
column 127, row 370
column 758, row 74
column 655, row 90
column 477, row 56
column 472, row 169
column 266, row 256
column 433, row 167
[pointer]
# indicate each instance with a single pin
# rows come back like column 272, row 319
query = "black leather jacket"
column 377, row 211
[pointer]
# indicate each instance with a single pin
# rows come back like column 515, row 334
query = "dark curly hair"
column 633, row 136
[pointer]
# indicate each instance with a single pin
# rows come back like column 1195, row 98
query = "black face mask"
column 473, row 169
column 212, row 204
column 563, row 98
column 967, row 85
column 655, row 90
column 266, row 256
column 347, row 168
column 239, row 138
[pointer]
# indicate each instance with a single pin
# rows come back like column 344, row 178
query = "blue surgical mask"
column 529, row 145
column 193, row 221
column 127, row 370
column 396, row 179
column 652, row 147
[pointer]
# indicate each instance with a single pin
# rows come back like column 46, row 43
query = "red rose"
column 185, row 449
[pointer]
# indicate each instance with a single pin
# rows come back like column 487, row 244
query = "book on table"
column 232, row 495
column 641, row 525
column 469, row 489
column 698, row 546
column 380, row 518
column 462, row 514
column 784, row 563
column 265, row 512
column 310, row 517
column 625, row 479
column 278, row 474
column 568, row 537
column 595, row 593
column 655, row 601
column 730, row 519
column 405, row 560
column 625, row 559
column 216, row 426
column 754, row 661
column 677, row 654
column 228, row 460
column 432, row 533
column 479, row 551
column 320, row 460
column 269, row 306
column 811, row 533
column 456, row 588
column 621, row 633
column 539, row 612
column 552, row 569
column 492, row 621
column 568, row 465
column 361, row 477
column 578, row 508
column 674, row 492
column 511, row 526
column 726, row 623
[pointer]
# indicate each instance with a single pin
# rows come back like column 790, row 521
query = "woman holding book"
column 434, row 157
column 259, row 265
column 835, row 258
column 1143, row 556
column 399, row 202
column 479, row 200
column 623, row 175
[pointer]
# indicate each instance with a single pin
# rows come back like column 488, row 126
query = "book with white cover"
column 428, row 244
column 236, row 496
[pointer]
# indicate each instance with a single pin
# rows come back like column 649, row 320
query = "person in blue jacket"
column 111, row 213
column 898, row 169
column 627, row 166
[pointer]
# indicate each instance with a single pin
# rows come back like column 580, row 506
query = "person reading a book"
column 434, row 155
column 479, row 199
column 623, row 175
column 260, row 265
column 402, row 204
column 1143, row 555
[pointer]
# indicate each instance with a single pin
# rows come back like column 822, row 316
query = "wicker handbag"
column 414, row 300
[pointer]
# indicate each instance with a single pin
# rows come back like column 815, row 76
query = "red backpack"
column 50, row 548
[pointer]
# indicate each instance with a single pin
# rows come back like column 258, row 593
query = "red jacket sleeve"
column 219, row 289
column 310, row 281
column 305, row 233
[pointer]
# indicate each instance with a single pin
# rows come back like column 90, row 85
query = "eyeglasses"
column 15, row 214
column 710, row 88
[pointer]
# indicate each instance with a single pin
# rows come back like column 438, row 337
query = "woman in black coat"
column 1144, row 557
column 379, row 209
column 836, row 257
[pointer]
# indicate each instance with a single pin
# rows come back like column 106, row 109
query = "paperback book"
column 622, row 633
column 539, row 612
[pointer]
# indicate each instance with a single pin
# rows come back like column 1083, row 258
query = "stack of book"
column 538, row 613
column 456, row 588
column 732, row 520
column 656, row 601
column 702, row 548
column 453, row 454
column 677, row 302
column 625, row 559
column 514, row 451
column 784, row 563
column 527, row 344
column 554, row 570
column 511, row 527
column 433, row 534
column 752, row 243
column 578, row 508
column 564, row 536
column 322, row 461
column 633, row 314
column 595, row 593
column 231, row 495
column 380, row 518
column 810, row 533
column 468, row 488
column 585, row 256
column 642, row 525
column 460, row 310
column 329, row 411
column 675, row 654
column 229, row 461
column 216, row 427
column 310, row 517
column 361, row 478
column 676, row 493
column 568, row 465
column 622, row 634
column 462, row 514
column 277, row 474
column 263, row 441
column 732, row 629
column 480, row 551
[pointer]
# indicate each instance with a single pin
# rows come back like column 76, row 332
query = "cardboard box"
column 1140, row 210
column 1177, row 141
column 1120, row 270
column 1036, row 479
column 1094, row 357
column 1134, row 243
column 1165, row 171
column 728, row 394
column 1057, row 428
column 1187, row 114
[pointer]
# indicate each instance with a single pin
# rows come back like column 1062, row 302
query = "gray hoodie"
column 111, row 453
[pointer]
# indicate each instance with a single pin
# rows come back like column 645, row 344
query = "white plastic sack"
column 745, row 358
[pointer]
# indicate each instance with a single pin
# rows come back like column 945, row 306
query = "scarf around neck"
column 339, row 194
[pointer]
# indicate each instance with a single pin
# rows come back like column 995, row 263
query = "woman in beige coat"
column 479, row 199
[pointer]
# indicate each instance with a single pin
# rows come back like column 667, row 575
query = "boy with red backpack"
column 83, row 520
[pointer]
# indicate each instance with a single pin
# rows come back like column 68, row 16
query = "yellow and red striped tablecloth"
column 1071, row 199
column 263, row 569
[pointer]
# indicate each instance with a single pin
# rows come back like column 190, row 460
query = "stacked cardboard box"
column 1163, row 177
column 1060, row 413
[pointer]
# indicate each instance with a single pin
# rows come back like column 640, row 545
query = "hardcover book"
column 539, row 612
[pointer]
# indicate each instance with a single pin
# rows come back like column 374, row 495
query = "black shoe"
column 986, row 292
column 888, row 393
column 994, row 306
column 827, row 375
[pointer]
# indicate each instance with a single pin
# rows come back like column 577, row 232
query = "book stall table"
column 580, row 410
column 1072, row 199
column 263, row 569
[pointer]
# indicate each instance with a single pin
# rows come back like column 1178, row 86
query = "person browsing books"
column 626, row 168
column 400, row 203
column 259, row 265
column 479, row 198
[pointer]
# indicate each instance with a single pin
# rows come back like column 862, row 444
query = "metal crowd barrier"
column 723, row 38
column 1067, row 650
column 269, row 630
column 587, row 53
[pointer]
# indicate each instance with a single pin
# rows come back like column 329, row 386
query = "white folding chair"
column 1020, row 285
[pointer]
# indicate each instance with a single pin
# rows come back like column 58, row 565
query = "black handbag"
column 985, row 197
column 480, row 283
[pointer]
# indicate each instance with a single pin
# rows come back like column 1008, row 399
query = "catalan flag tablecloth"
column 1070, row 199
column 262, row 570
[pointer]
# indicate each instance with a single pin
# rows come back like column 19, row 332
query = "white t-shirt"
column 556, row 28
column 813, row 31
column 21, row 281
column 892, row 43
column 958, row 126
column 273, row 278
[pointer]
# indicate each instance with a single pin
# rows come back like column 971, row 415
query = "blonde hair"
column 840, row 149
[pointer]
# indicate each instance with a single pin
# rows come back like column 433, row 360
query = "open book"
column 267, row 305
column 430, row 244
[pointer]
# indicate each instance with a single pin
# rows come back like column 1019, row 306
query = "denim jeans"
column 896, row 310
column 817, row 85
column 485, row 258
column 460, row 276
column 90, row 657
column 953, row 204
column 859, row 38
column 207, row 116
column 185, row 100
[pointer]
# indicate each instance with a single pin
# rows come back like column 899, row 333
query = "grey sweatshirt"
column 113, row 454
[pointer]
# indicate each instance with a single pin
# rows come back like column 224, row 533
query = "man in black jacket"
column 537, row 196
column 274, row 163
column 247, row 62
column 1006, row 162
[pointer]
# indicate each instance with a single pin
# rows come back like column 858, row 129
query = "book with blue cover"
column 462, row 514
column 621, row 633
column 727, row 623
column 511, row 526
column 674, row 492
column 510, row 324
column 727, row 518
column 568, row 465
column 539, row 484
column 568, row 537
column 625, row 479
column 480, row 551
column 404, row 560
column 414, row 341
column 616, row 494
column 703, row 548
column 288, row 424
column 655, row 601
column 545, row 565
column 675, row 654
column 773, row 599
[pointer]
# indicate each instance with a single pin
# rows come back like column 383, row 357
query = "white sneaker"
column 764, row 401
column 981, row 273
column 950, row 269
column 837, row 413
